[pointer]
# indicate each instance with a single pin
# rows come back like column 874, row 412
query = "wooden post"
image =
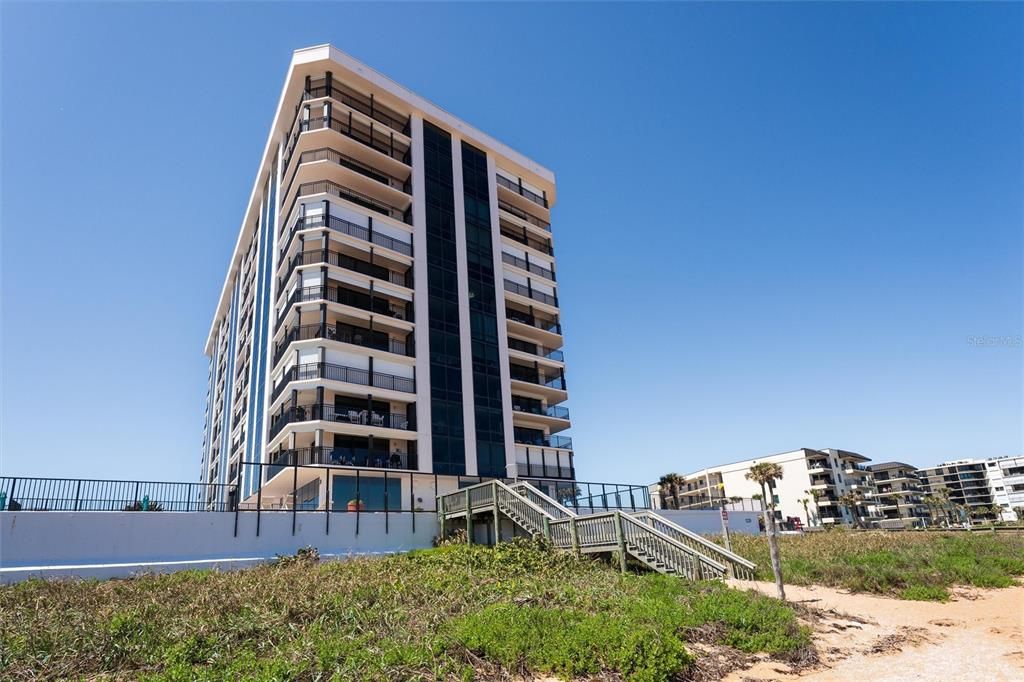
column 497, row 519
column 621, row 537
column 469, row 520
column 575, row 534
column 730, row 568
column 547, row 528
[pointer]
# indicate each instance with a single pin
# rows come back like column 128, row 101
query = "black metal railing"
column 331, row 332
column 385, row 143
column 334, row 156
column 530, row 292
column 533, row 376
column 527, row 265
column 19, row 493
column 85, row 495
column 523, row 215
column 553, row 326
column 364, row 105
column 346, row 227
column 347, row 262
column 337, row 294
column 519, row 235
column 535, row 349
column 327, row 187
column 349, row 375
column 561, row 442
column 518, row 188
column 327, row 412
column 556, row 411
column 339, row 456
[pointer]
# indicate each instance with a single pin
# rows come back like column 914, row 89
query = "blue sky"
column 778, row 225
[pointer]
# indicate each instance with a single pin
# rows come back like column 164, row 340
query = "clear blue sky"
column 777, row 225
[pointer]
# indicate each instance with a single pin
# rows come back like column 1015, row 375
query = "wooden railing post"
column 547, row 528
column 469, row 520
column 575, row 535
column 497, row 521
column 621, row 537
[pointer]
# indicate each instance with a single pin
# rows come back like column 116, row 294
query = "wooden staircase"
column 648, row 538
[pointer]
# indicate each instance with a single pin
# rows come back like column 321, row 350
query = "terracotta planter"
column 356, row 506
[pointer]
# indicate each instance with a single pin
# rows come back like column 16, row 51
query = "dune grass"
column 908, row 565
column 454, row 612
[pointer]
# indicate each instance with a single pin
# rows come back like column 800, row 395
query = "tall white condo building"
column 390, row 312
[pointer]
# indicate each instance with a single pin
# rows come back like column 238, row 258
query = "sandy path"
column 977, row 636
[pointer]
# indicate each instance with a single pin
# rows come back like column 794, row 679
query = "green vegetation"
column 455, row 612
column 909, row 565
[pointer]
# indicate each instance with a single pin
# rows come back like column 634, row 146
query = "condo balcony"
column 332, row 189
column 368, row 105
column 388, row 271
column 537, row 377
column 525, row 436
column 525, row 264
column 316, row 372
column 519, row 216
column 518, row 189
column 521, row 235
column 346, row 227
column 353, row 128
column 329, row 413
column 343, row 333
column 529, row 291
column 371, row 301
column 534, row 350
column 353, row 456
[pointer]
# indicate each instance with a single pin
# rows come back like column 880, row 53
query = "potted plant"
column 356, row 504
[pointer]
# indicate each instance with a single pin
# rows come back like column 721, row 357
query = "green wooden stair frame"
column 649, row 538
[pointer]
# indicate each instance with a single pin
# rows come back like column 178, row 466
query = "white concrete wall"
column 710, row 522
column 117, row 544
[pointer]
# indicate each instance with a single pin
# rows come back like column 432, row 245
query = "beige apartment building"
column 391, row 305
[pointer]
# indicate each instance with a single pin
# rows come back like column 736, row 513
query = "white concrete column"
column 499, row 289
column 424, row 449
column 465, row 333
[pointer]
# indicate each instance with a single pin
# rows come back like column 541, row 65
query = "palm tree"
column 671, row 483
column 1019, row 511
column 852, row 501
column 815, row 495
column 765, row 474
column 804, row 501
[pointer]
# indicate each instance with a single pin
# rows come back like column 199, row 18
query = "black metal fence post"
column 78, row 492
column 295, row 491
column 259, row 498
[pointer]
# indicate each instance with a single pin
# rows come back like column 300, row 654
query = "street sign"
column 725, row 515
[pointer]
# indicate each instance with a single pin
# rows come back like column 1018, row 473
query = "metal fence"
column 705, row 502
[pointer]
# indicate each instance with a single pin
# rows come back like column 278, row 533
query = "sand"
column 977, row 636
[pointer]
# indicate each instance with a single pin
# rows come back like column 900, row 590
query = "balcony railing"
column 534, row 349
column 526, row 240
column 528, row 266
column 327, row 187
column 328, row 454
column 343, row 226
column 364, row 105
column 530, row 292
column 334, row 156
column 336, row 294
column 349, row 375
column 556, row 411
column 518, row 188
column 332, row 333
column 523, row 215
column 561, row 442
column 552, row 326
column 556, row 381
column 385, row 143
column 347, row 262
column 327, row 412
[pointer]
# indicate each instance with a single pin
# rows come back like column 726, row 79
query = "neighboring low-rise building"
column 967, row 485
column 898, row 496
column 822, row 477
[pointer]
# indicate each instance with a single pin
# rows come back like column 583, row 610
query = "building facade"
column 1006, row 483
column 821, row 477
column 898, row 496
column 966, row 483
column 391, row 304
